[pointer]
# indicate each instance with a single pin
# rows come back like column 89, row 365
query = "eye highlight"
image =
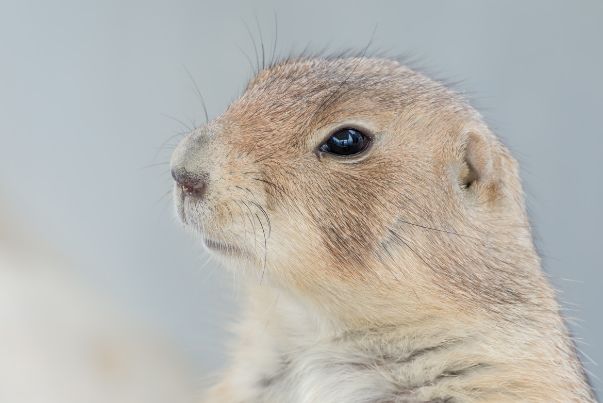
column 346, row 141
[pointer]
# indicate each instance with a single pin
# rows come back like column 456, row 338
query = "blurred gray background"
column 86, row 89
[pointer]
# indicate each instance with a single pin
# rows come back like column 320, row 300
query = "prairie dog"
column 381, row 230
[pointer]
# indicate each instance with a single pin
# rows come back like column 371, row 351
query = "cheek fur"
column 351, row 207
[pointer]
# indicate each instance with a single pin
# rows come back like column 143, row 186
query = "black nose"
column 191, row 183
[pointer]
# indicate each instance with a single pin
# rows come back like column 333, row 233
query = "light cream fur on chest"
column 288, row 353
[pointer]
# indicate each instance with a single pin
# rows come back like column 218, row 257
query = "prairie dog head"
column 357, row 182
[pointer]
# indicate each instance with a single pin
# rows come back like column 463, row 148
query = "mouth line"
column 225, row 248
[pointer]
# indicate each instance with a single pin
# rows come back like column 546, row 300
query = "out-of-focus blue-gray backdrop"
column 86, row 88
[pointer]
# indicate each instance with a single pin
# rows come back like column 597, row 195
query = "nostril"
column 191, row 183
column 197, row 190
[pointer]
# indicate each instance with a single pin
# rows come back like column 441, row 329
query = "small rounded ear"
column 478, row 165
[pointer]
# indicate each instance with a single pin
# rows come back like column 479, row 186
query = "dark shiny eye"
column 346, row 142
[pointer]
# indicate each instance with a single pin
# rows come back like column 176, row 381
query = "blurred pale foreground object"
column 61, row 343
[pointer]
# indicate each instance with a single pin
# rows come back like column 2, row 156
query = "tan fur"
column 406, row 275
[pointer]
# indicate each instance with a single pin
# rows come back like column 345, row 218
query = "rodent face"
column 276, row 204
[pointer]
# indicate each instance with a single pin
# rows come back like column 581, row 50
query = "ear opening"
column 477, row 161
column 467, row 176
